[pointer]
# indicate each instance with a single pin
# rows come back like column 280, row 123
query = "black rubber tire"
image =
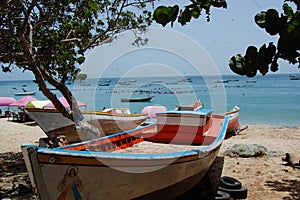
column 222, row 195
column 241, row 193
column 229, row 183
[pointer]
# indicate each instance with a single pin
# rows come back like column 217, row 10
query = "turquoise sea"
column 273, row 99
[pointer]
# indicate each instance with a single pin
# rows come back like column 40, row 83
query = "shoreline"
column 266, row 177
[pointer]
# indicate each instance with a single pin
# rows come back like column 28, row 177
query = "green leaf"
column 163, row 15
column 274, row 67
column 5, row 69
column 237, row 63
column 251, row 59
column 288, row 11
column 272, row 22
column 195, row 13
column 80, row 59
column 260, row 19
column 185, row 17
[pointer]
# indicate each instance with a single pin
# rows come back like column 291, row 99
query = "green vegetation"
column 50, row 38
column 285, row 25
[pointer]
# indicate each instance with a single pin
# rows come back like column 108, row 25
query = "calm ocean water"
column 273, row 99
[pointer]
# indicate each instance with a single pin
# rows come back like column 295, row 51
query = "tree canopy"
column 50, row 38
column 285, row 25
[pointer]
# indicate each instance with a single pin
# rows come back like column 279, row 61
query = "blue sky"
column 230, row 31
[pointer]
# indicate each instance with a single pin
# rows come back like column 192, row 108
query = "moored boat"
column 293, row 77
column 103, row 84
column 141, row 99
column 25, row 93
column 130, row 165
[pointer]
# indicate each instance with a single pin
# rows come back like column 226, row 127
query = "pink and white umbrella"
column 152, row 110
column 5, row 101
column 64, row 102
column 23, row 101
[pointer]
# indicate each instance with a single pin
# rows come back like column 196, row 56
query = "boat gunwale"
column 87, row 112
column 114, row 114
column 233, row 111
column 187, row 113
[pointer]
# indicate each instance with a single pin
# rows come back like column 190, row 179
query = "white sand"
column 265, row 177
column 13, row 135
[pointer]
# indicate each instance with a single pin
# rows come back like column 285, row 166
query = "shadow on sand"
column 291, row 186
column 206, row 188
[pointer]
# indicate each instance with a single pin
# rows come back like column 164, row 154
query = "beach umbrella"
column 64, row 102
column 23, row 101
column 152, row 110
column 37, row 104
column 5, row 101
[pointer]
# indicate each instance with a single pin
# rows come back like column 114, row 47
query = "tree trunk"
column 82, row 127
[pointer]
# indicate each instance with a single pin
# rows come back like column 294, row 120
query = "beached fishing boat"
column 131, row 164
column 233, row 120
column 141, row 99
column 109, row 121
column 114, row 120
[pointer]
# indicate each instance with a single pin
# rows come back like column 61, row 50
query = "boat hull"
column 53, row 123
column 233, row 120
column 115, row 126
column 110, row 183
column 122, row 166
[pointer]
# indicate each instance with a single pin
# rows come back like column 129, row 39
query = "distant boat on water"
column 221, row 81
column 251, row 81
column 232, row 80
column 103, row 84
column 185, row 80
column 25, row 93
column 142, row 99
column 123, row 83
column 85, row 84
column 171, row 83
column 293, row 77
column 156, row 81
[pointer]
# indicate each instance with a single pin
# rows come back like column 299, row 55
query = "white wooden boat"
column 110, row 121
column 114, row 120
column 131, row 164
column 25, row 93
column 233, row 120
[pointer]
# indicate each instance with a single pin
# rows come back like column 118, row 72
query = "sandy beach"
column 266, row 177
